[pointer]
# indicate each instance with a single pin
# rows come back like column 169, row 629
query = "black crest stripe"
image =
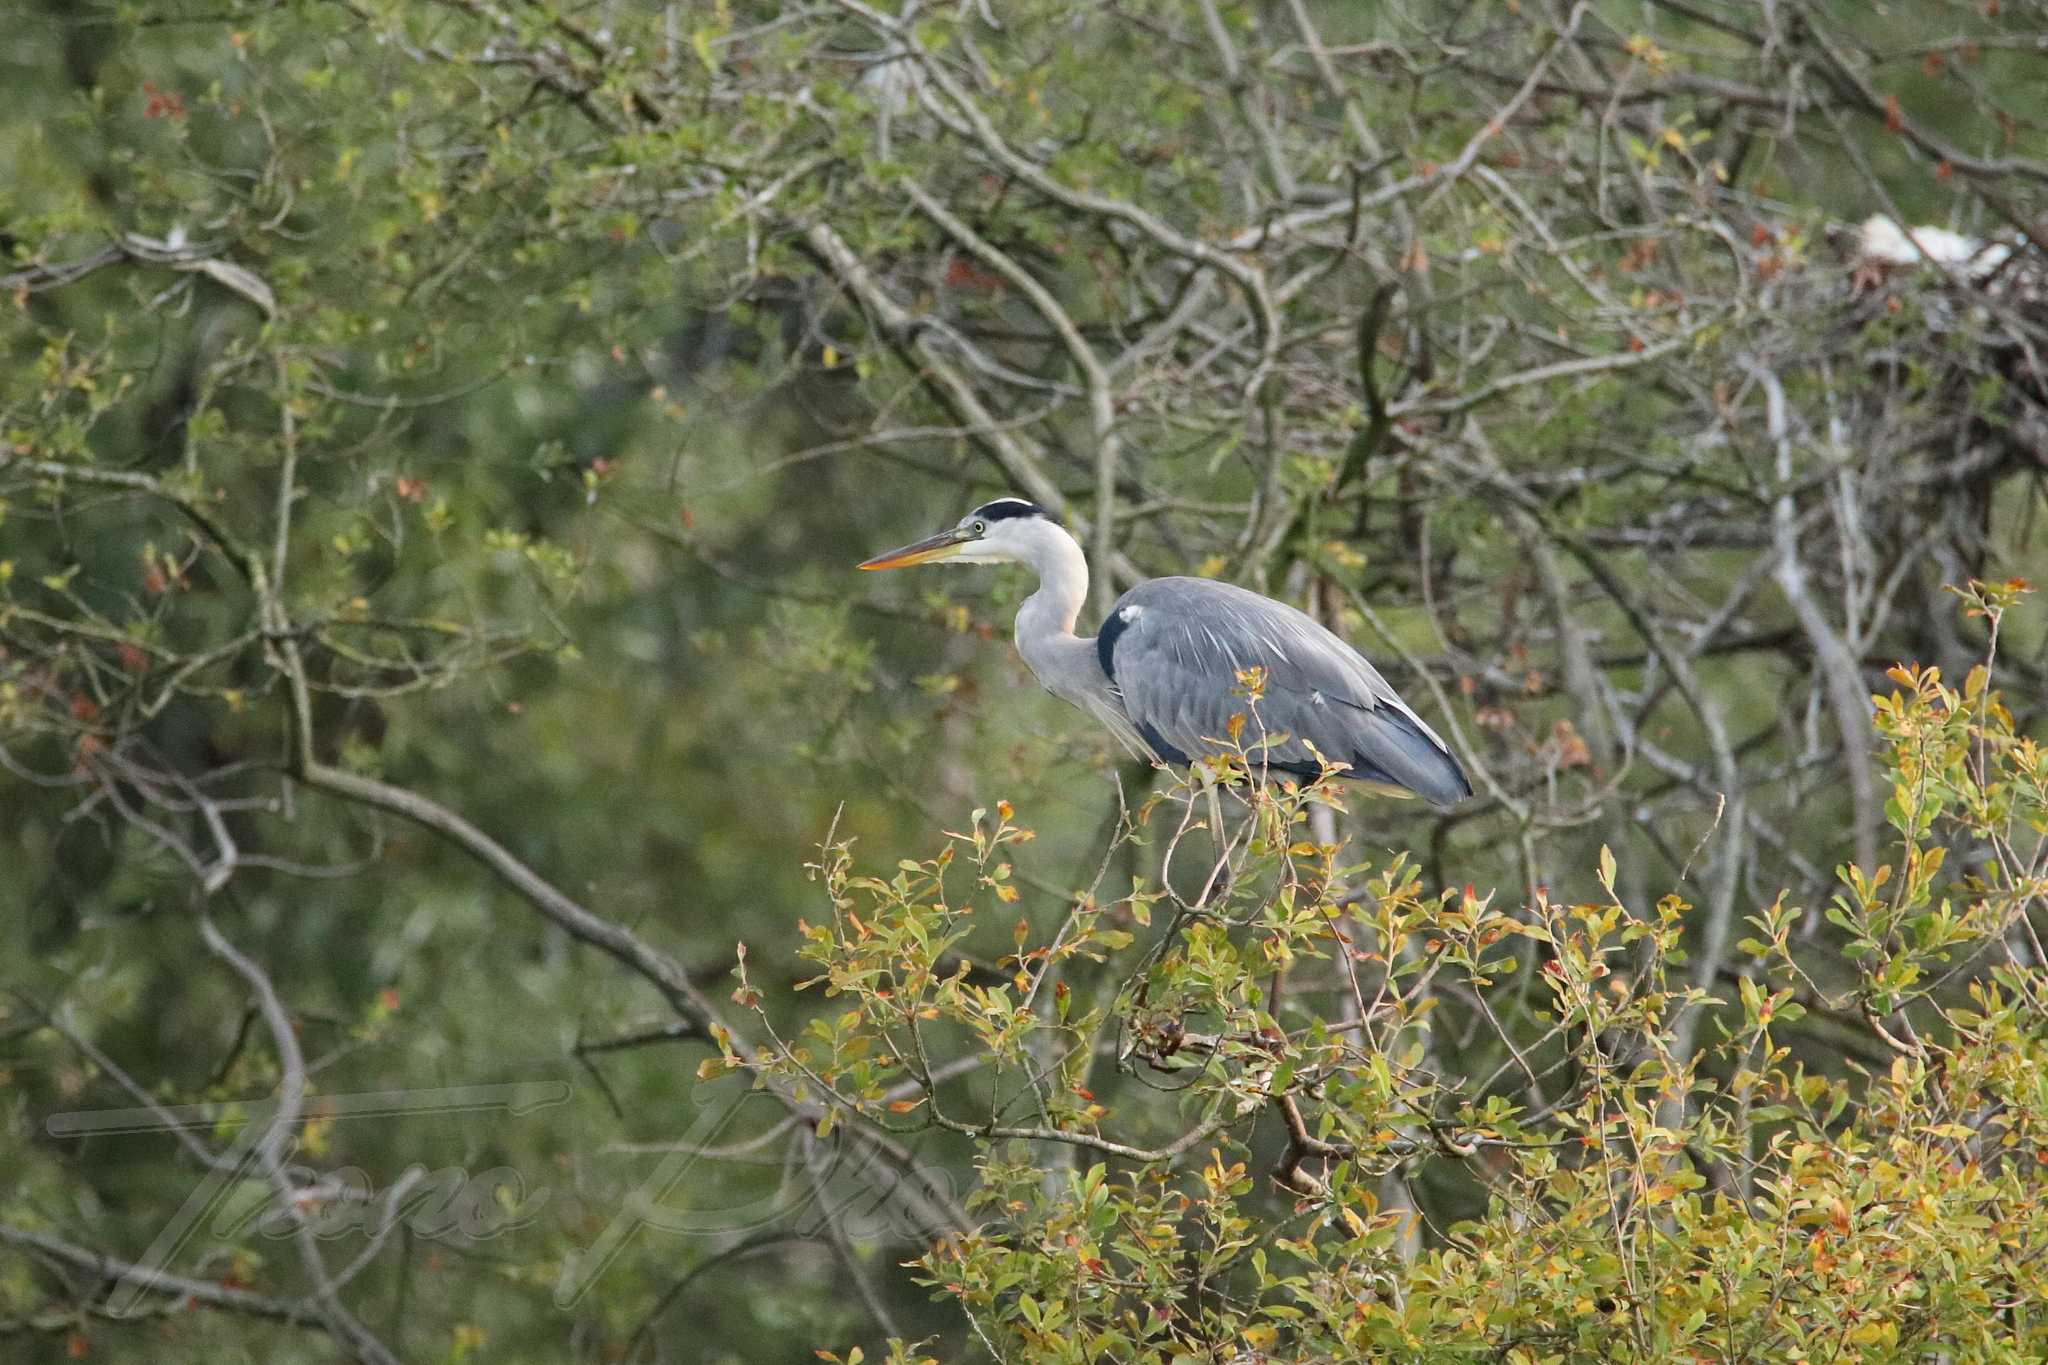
column 1002, row 509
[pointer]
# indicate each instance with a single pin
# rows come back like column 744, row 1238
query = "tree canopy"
column 488, row 880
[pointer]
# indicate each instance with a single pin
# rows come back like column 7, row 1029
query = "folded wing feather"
column 1175, row 647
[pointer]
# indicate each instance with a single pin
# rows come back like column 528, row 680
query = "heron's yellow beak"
column 940, row 546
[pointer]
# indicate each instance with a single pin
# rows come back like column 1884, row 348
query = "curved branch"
column 1101, row 401
column 112, row 1270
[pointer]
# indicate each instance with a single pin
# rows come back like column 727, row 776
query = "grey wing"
column 1173, row 648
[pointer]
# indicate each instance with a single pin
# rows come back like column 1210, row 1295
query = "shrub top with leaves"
column 1207, row 1142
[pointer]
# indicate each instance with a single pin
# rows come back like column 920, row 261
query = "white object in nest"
column 1884, row 242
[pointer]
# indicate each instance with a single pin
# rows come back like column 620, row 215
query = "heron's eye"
column 979, row 528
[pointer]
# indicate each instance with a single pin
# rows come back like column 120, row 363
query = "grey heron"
column 1166, row 673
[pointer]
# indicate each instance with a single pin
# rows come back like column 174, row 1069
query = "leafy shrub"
column 1206, row 1126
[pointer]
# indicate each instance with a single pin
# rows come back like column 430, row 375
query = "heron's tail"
column 1396, row 748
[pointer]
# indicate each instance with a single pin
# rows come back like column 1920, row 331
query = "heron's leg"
column 1219, row 871
column 1322, row 823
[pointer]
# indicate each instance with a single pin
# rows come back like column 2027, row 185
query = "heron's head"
column 1000, row 532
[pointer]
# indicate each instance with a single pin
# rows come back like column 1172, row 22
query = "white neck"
column 1065, row 663
column 1062, row 580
